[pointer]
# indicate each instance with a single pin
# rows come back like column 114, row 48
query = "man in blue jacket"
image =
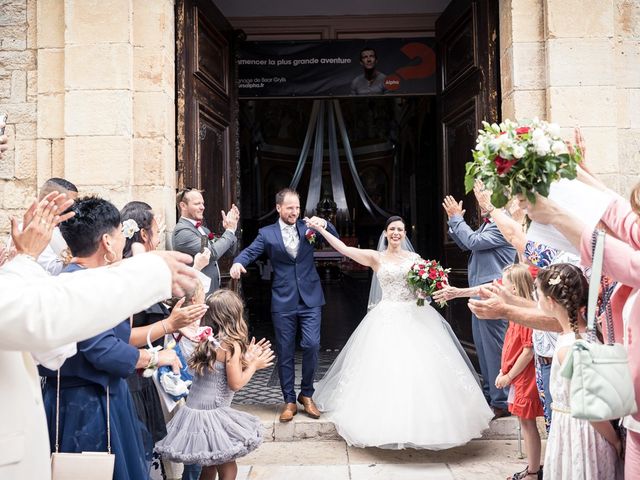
column 490, row 253
column 296, row 297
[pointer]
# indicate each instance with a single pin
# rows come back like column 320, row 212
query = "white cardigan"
column 39, row 312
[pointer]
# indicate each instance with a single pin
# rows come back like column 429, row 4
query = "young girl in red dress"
column 518, row 372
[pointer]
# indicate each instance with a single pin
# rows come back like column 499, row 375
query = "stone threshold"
column 304, row 428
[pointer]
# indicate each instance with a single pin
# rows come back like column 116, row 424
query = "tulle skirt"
column 401, row 382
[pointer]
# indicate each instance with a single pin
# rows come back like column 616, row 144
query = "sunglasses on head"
column 184, row 191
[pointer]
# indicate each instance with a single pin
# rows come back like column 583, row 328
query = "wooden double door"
column 207, row 115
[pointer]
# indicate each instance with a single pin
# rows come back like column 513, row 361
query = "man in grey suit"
column 190, row 235
column 490, row 253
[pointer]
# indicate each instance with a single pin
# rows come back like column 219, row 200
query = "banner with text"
column 393, row 66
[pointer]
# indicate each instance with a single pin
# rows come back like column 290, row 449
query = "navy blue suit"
column 490, row 253
column 296, row 298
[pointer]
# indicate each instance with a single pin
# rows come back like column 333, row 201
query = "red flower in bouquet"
column 426, row 277
column 503, row 166
column 310, row 235
column 520, row 159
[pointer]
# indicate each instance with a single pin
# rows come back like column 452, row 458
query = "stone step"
column 304, row 428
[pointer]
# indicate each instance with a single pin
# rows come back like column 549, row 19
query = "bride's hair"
column 394, row 218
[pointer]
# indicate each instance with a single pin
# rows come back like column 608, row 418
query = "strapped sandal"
column 525, row 473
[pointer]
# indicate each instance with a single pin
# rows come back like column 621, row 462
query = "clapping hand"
column 259, row 354
column 451, row 207
column 231, row 218
column 38, row 223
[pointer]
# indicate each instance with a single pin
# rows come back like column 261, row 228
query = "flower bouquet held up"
column 426, row 277
column 520, row 159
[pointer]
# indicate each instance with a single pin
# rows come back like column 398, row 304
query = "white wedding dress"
column 400, row 380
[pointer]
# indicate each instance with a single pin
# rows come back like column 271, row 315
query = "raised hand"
column 38, row 223
column 483, row 196
column 236, row 270
column 316, row 223
column 231, row 218
column 182, row 316
column 451, row 207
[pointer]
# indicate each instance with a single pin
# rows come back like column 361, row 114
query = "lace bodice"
column 393, row 279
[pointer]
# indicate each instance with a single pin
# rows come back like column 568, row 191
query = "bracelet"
column 166, row 332
column 153, row 361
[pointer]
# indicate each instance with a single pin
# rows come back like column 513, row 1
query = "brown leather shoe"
column 309, row 407
column 290, row 409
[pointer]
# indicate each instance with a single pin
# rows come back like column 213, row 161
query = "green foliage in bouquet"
column 520, row 159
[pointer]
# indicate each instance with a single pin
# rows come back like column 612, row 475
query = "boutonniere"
column 310, row 235
column 213, row 236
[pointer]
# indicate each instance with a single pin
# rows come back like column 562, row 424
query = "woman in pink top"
column 621, row 263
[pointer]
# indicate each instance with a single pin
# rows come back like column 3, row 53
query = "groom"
column 296, row 297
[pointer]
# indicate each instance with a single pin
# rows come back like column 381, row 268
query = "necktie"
column 291, row 240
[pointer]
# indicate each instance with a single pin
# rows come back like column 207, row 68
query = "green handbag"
column 601, row 385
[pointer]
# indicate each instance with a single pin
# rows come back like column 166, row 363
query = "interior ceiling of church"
column 286, row 8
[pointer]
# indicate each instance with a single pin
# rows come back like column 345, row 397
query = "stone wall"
column 18, row 98
column 99, row 110
column 577, row 63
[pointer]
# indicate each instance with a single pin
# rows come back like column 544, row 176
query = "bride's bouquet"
column 520, row 159
column 426, row 277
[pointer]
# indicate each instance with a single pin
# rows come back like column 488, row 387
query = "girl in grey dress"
column 207, row 431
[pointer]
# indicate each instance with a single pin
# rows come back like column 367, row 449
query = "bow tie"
column 486, row 219
column 198, row 224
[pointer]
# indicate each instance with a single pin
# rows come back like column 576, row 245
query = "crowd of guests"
column 542, row 293
column 98, row 388
column 528, row 302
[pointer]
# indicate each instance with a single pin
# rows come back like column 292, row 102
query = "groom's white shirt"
column 40, row 313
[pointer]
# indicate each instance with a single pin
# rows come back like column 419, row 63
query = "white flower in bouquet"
column 520, row 159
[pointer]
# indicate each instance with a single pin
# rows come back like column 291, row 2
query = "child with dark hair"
column 576, row 449
column 207, row 431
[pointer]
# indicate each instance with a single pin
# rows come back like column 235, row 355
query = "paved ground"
column 333, row 460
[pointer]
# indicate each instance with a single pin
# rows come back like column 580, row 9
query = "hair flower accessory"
column 205, row 334
column 129, row 228
column 554, row 281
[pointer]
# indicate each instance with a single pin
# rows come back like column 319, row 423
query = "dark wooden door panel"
column 207, row 109
column 468, row 82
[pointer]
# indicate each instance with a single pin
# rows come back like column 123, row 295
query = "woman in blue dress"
column 94, row 236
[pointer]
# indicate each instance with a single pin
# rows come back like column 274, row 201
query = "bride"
column 402, row 380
